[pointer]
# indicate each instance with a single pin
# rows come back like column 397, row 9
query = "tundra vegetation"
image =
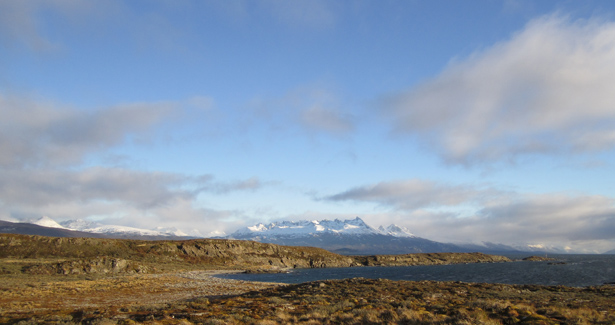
column 106, row 281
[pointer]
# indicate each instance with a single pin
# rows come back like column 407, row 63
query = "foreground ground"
column 195, row 297
column 107, row 281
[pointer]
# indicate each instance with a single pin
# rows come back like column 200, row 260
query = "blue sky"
column 473, row 121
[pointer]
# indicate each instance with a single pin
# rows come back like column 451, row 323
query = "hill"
column 50, row 255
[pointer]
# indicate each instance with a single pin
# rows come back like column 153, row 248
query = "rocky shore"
column 429, row 259
column 101, row 281
column 48, row 255
column 199, row 298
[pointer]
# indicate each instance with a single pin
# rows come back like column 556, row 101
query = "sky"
column 463, row 121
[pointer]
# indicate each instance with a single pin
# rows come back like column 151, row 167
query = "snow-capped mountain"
column 304, row 228
column 98, row 228
column 352, row 236
column 110, row 231
column 45, row 221
column 171, row 231
column 79, row 224
column 395, row 231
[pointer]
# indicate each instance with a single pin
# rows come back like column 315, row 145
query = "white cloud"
column 140, row 190
column 582, row 222
column 44, row 187
column 118, row 196
column 414, row 194
column 43, row 146
column 546, row 90
column 42, row 133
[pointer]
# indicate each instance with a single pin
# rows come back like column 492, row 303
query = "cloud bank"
column 547, row 90
column 44, row 148
column 34, row 133
column 414, row 194
column 556, row 220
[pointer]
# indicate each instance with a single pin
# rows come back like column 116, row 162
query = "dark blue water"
column 578, row 271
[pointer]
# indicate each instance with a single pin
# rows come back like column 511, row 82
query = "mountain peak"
column 303, row 228
column 99, row 228
column 45, row 221
column 396, row 231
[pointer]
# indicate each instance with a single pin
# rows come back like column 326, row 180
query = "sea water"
column 568, row 270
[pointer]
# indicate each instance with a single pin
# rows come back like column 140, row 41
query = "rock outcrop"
column 102, row 265
column 535, row 258
column 94, row 255
column 236, row 253
column 429, row 259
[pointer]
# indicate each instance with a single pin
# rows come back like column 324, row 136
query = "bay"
column 568, row 270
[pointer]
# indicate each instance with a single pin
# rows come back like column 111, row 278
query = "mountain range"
column 348, row 237
column 46, row 226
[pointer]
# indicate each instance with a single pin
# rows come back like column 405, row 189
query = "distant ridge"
column 24, row 228
column 45, row 221
column 355, row 237
column 349, row 237
column 354, row 226
column 94, row 227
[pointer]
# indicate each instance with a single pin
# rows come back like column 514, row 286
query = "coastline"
column 91, row 281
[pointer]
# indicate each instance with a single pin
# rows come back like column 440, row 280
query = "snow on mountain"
column 79, row 224
column 111, row 229
column 302, row 228
column 172, row 231
column 98, row 228
column 211, row 234
column 396, row 231
column 352, row 237
column 45, row 221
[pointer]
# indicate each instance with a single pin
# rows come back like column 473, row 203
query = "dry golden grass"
column 100, row 281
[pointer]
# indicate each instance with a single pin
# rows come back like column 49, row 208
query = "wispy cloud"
column 547, row 90
column 22, row 23
column 250, row 184
column 432, row 210
column 325, row 119
column 313, row 109
column 584, row 223
column 45, row 187
column 414, row 194
column 44, row 147
column 123, row 196
column 37, row 133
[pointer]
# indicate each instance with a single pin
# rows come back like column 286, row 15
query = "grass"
column 148, row 282
column 365, row 301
